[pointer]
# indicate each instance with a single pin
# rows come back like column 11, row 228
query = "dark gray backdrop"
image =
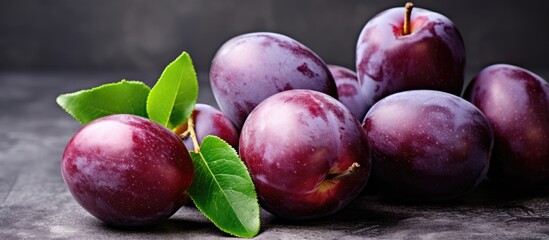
column 70, row 35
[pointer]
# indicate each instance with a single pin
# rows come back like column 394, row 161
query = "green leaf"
column 223, row 190
column 173, row 97
column 113, row 98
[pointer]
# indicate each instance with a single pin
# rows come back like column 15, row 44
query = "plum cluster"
column 313, row 134
column 423, row 141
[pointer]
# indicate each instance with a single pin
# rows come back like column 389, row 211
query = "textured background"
column 141, row 35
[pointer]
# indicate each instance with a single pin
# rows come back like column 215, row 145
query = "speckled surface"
column 35, row 204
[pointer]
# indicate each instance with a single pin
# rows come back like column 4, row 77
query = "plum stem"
column 408, row 13
column 185, row 134
column 190, row 131
column 350, row 171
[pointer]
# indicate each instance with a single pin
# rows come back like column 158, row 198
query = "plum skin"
column 427, row 145
column 516, row 102
column 432, row 56
column 348, row 91
column 127, row 170
column 210, row 121
column 291, row 142
column 251, row 67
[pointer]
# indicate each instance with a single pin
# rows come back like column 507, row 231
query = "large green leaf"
column 122, row 97
column 223, row 190
column 174, row 95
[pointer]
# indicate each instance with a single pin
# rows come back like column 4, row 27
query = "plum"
column 516, row 102
column 210, row 121
column 407, row 48
column 127, row 170
column 251, row 67
column 349, row 92
column 427, row 145
column 307, row 154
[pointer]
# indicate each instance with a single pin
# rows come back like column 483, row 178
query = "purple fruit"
column 430, row 55
column 349, row 92
column 210, row 121
column 296, row 145
column 127, row 170
column 427, row 145
column 516, row 102
column 251, row 67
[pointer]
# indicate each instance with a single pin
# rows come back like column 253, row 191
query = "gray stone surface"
column 35, row 204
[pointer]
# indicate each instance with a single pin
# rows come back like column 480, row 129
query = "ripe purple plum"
column 349, row 91
column 249, row 68
column 405, row 49
column 427, row 145
column 210, row 121
column 516, row 102
column 127, row 170
column 307, row 154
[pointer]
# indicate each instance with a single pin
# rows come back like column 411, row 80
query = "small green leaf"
column 223, row 190
column 113, row 98
column 173, row 97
